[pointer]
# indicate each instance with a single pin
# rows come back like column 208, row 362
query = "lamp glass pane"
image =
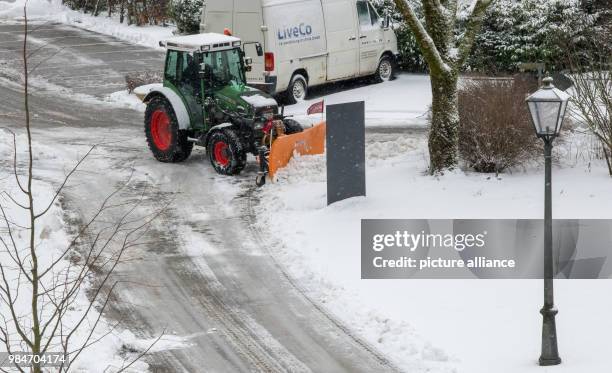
column 561, row 115
column 545, row 116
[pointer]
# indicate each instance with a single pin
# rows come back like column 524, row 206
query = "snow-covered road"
column 204, row 273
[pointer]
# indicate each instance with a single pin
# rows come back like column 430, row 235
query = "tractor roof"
column 201, row 42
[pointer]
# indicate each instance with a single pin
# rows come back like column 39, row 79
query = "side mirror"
column 386, row 21
column 248, row 61
column 259, row 50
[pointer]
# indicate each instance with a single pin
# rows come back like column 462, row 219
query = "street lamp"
column 547, row 107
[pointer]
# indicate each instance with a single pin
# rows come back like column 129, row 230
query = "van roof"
column 201, row 42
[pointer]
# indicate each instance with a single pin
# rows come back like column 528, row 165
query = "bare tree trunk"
column 443, row 135
column 96, row 8
column 445, row 55
column 36, row 336
column 122, row 11
column 608, row 156
column 145, row 13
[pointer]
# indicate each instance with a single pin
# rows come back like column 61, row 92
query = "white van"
column 306, row 42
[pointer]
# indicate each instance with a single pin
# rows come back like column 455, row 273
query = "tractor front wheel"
column 167, row 141
column 226, row 152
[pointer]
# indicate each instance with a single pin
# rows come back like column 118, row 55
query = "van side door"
column 371, row 37
column 342, row 39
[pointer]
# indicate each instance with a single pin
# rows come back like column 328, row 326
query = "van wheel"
column 297, row 90
column 385, row 71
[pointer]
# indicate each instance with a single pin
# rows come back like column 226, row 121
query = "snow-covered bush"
column 186, row 14
column 495, row 131
column 135, row 80
column 591, row 96
column 530, row 31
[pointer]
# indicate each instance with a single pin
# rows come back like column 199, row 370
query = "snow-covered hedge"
column 186, row 14
column 530, row 31
column 514, row 31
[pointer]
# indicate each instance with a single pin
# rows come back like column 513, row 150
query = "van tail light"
column 269, row 61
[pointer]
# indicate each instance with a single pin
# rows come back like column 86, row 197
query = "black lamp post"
column 547, row 107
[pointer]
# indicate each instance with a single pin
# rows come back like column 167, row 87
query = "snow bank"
column 126, row 99
column 54, row 11
column 442, row 325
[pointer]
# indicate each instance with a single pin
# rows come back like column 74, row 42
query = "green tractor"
column 205, row 101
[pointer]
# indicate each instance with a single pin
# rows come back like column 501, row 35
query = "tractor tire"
column 167, row 141
column 385, row 71
column 292, row 126
column 226, row 152
column 297, row 90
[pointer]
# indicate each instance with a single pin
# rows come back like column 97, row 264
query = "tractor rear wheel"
column 226, row 152
column 167, row 141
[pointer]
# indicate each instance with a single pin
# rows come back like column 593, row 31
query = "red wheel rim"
column 161, row 130
column 221, row 153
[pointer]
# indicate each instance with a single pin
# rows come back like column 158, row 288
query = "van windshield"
column 225, row 67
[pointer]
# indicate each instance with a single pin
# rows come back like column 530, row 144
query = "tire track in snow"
column 258, row 234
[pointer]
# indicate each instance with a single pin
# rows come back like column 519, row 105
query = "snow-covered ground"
column 467, row 326
column 389, row 104
column 54, row 11
column 114, row 346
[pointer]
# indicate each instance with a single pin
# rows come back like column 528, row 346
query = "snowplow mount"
column 311, row 141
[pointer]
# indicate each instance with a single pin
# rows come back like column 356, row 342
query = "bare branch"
column 426, row 43
column 474, row 24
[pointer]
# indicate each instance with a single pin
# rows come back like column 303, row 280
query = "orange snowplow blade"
column 309, row 142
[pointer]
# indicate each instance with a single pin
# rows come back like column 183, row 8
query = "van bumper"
column 268, row 86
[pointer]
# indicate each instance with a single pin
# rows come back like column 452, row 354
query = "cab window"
column 226, row 67
column 187, row 72
column 363, row 14
column 171, row 64
column 373, row 15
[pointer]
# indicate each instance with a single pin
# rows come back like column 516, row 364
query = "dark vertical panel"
column 345, row 151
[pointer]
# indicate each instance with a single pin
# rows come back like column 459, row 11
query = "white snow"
column 401, row 102
column 126, row 99
column 195, row 42
column 258, row 100
column 143, row 90
column 471, row 326
column 54, row 11
column 116, row 347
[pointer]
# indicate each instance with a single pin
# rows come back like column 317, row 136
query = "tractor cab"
column 205, row 67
